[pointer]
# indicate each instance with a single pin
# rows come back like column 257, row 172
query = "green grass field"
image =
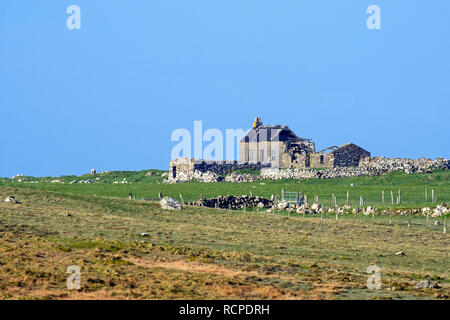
column 202, row 253
column 412, row 187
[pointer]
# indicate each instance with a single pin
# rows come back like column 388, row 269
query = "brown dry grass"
column 203, row 253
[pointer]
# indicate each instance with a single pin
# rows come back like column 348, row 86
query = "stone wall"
column 184, row 169
column 420, row 165
column 236, row 202
column 321, row 160
column 181, row 166
column 208, row 171
column 367, row 167
column 225, row 167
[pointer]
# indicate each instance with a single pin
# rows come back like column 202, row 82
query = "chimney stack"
column 257, row 122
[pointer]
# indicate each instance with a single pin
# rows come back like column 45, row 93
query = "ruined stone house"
column 348, row 155
column 274, row 146
column 282, row 148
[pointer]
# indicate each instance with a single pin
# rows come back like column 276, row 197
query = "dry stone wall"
column 236, row 202
column 367, row 167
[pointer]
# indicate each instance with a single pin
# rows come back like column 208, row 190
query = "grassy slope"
column 412, row 187
column 204, row 253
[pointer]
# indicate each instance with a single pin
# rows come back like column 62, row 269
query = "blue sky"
column 108, row 96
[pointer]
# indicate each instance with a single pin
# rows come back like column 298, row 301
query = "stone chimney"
column 257, row 122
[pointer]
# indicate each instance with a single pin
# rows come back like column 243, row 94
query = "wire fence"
column 389, row 198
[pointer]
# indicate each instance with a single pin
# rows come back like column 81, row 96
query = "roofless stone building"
column 281, row 147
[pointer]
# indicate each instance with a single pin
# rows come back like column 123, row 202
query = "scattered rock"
column 426, row 284
column 315, row 207
column 282, row 205
column 369, row 210
column 144, row 234
column 237, row 177
column 11, row 199
column 169, row 203
column 400, row 253
column 440, row 210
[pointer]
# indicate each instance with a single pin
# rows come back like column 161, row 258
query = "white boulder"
column 169, row 203
column 439, row 211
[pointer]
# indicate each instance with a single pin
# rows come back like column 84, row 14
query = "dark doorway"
column 174, row 172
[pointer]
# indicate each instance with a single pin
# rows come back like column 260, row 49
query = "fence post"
column 181, row 198
column 399, row 199
column 382, row 197
column 373, row 215
column 282, row 194
column 245, row 207
column 306, row 198
column 336, row 208
column 445, row 224
column 426, row 225
column 347, row 197
column 409, row 218
column 297, row 200
column 392, row 197
column 390, row 216
column 426, row 195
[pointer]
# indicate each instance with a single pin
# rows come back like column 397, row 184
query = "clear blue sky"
column 108, row 96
